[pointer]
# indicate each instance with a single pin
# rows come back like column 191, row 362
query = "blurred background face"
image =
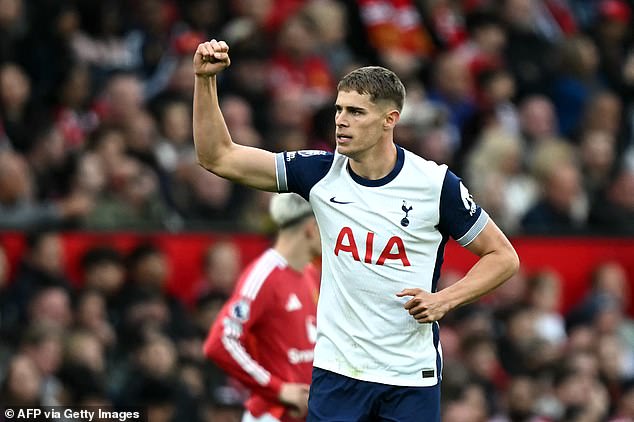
column 158, row 357
column 10, row 11
column 151, row 270
column 176, row 123
column 15, row 178
column 452, row 77
column 15, row 87
column 222, row 266
column 537, row 117
column 48, row 254
column 23, row 381
column 563, row 187
column 51, row 306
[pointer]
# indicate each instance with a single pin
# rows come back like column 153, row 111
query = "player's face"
column 360, row 123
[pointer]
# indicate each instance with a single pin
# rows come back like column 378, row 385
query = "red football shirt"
column 265, row 334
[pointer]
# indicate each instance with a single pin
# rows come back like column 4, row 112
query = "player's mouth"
column 341, row 138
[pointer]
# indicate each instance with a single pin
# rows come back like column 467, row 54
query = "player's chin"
column 344, row 148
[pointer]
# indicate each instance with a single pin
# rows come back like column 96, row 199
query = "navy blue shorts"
column 337, row 398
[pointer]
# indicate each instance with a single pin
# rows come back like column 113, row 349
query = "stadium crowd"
column 530, row 101
column 120, row 340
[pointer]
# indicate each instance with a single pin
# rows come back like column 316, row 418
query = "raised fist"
column 211, row 58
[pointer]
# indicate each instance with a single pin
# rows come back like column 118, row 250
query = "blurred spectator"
column 103, row 270
column 494, row 171
column 612, row 34
column 51, row 163
column 544, row 296
column 480, row 356
column 613, row 211
column 175, row 144
column 43, row 345
column 484, row 47
column 452, row 88
column 147, row 305
column 528, row 54
column 519, row 401
column 469, row 405
column 12, row 29
column 51, row 306
column 100, row 43
column 151, row 381
column 83, row 348
column 91, row 315
column 297, row 65
column 5, row 309
column 221, row 265
column 495, row 89
column 21, row 385
column 330, row 19
column 615, row 364
column 395, row 31
column 239, row 118
column 41, row 268
column 579, row 397
column 17, row 110
column 598, row 161
column 82, row 387
column 204, row 199
column 603, row 112
column 521, row 349
column 73, row 118
column 48, row 47
column 207, row 309
column 576, row 81
column 605, row 303
column 562, row 206
column 134, row 201
column 625, row 406
column 538, row 122
column 446, row 21
column 121, row 99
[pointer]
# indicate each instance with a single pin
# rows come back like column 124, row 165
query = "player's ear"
column 391, row 119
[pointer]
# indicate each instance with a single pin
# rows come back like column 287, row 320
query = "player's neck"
column 294, row 250
column 376, row 163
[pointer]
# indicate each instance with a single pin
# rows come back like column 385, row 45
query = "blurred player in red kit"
column 265, row 334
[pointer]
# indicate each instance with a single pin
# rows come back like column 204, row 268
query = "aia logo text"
column 394, row 248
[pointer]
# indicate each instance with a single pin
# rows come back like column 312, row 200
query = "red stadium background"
column 572, row 258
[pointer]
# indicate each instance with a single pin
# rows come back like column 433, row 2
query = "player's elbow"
column 216, row 163
column 207, row 162
column 212, row 349
column 511, row 262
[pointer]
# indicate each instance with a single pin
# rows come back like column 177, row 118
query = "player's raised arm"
column 215, row 149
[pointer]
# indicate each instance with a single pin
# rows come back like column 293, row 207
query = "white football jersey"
column 379, row 237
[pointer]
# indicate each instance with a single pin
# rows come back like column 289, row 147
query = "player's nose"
column 341, row 121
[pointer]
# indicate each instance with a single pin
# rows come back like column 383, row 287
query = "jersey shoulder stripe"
column 299, row 171
column 260, row 271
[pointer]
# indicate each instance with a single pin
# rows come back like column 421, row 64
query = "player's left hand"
column 425, row 307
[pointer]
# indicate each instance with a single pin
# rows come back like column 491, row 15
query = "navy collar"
column 400, row 159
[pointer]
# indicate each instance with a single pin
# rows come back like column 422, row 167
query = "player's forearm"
column 211, row 136
column 216, row 349
column 489, row 272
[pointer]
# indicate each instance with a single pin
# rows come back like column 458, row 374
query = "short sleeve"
column 299, row 171
column 460, row 217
